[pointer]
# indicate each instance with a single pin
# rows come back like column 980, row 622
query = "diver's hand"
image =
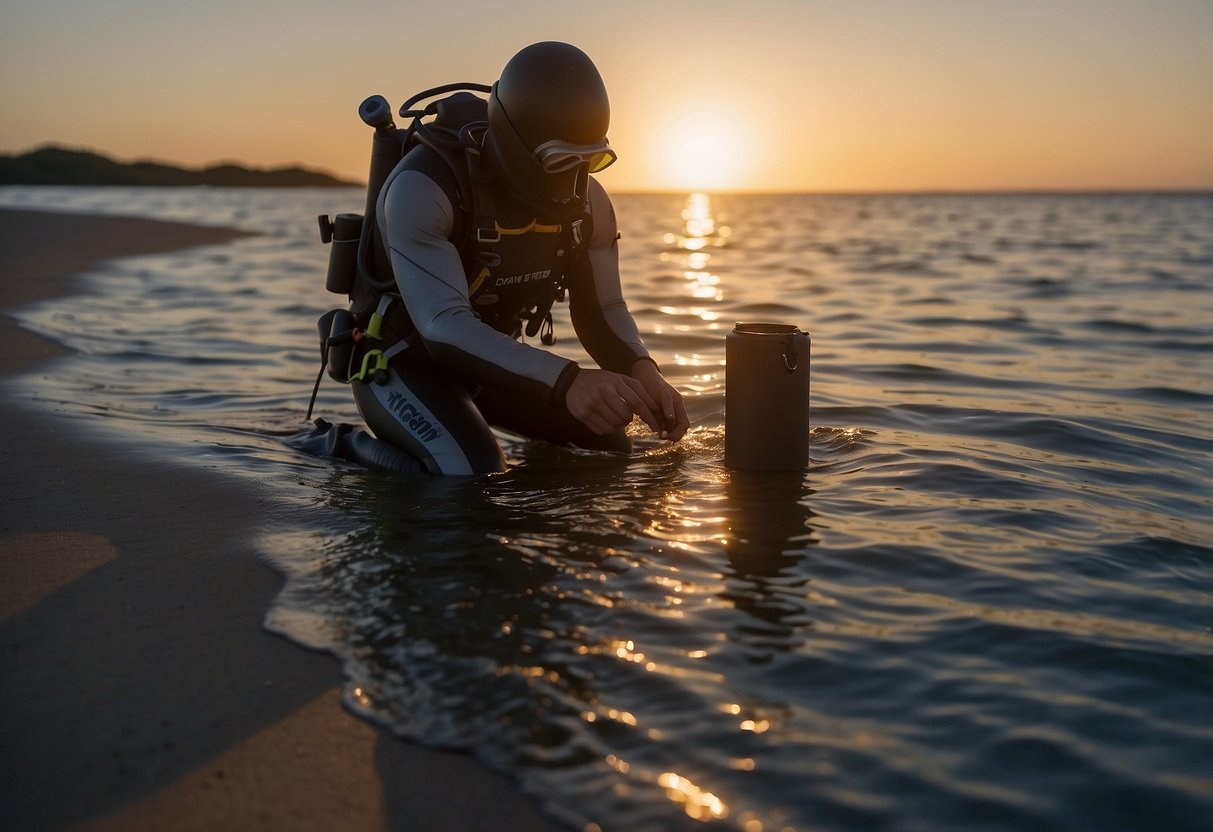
column 671, row 412
column 604, row 401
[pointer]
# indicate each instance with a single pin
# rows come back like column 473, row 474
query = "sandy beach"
column 138, row 688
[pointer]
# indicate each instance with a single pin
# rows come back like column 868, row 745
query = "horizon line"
column 1204, row 190
column 1030, row 190
column 1106, row 191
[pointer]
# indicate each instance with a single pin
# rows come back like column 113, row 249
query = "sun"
column 703, row 149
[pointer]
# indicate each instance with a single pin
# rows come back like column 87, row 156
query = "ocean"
column 986, row 603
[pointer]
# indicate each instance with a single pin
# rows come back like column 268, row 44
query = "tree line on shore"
column 64, row 166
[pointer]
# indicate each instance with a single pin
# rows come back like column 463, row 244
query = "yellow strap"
column 534, row 226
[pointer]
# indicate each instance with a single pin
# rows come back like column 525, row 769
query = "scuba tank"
column 387, row 148
column 387, row 145
column 345, row 234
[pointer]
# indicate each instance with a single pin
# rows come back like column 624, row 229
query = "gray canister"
column 343, row 256
column 766, row 398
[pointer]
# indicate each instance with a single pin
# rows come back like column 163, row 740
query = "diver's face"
column 519, row 167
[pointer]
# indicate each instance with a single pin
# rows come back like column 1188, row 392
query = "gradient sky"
column 761, row 95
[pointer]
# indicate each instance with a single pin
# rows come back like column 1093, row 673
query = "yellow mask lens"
column 601, row 161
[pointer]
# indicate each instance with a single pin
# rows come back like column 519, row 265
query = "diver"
column 466, row 293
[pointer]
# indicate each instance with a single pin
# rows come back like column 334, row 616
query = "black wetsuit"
column 466, row 367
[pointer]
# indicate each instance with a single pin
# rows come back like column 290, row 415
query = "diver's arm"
column 604, row 325
column 416, row 219
column 608, row 331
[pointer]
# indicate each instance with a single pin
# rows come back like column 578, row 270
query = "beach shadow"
column 143, row 689
column 150, row 664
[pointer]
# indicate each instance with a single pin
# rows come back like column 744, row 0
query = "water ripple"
column 983, row 605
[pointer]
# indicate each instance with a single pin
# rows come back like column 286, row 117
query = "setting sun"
column 703, row 149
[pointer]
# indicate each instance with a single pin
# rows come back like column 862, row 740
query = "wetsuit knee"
column 432, row 418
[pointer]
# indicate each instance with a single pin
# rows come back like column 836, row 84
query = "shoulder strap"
column 484, row 233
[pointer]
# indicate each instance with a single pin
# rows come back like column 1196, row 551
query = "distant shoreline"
column 51, row 166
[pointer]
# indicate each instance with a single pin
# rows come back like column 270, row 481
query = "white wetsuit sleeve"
column 416, row 219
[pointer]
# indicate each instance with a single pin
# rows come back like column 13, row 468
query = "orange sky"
column 769, row 95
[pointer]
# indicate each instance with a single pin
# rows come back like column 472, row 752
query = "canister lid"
column 762, row 328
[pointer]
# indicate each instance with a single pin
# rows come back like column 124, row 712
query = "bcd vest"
column 512, row 281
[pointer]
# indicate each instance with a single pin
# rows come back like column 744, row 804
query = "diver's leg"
column 537, row 419
column 422, row 411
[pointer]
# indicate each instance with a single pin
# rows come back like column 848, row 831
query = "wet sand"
column 138, row 689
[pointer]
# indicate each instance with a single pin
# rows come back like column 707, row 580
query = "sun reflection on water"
column 698, row 804
column 699, row 229
column 690, row 250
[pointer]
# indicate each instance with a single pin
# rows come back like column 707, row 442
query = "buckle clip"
column 374, row 368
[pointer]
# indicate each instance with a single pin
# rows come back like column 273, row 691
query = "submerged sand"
column 138, row 689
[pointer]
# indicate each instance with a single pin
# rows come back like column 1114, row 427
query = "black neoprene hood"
column 550, row 91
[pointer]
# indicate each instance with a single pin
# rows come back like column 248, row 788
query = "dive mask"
column 559, row 156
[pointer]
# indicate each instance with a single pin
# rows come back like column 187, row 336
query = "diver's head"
column 548, row 118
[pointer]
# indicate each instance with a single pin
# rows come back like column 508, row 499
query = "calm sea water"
column 987, row 603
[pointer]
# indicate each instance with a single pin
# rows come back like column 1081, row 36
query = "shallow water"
column 987, row 603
